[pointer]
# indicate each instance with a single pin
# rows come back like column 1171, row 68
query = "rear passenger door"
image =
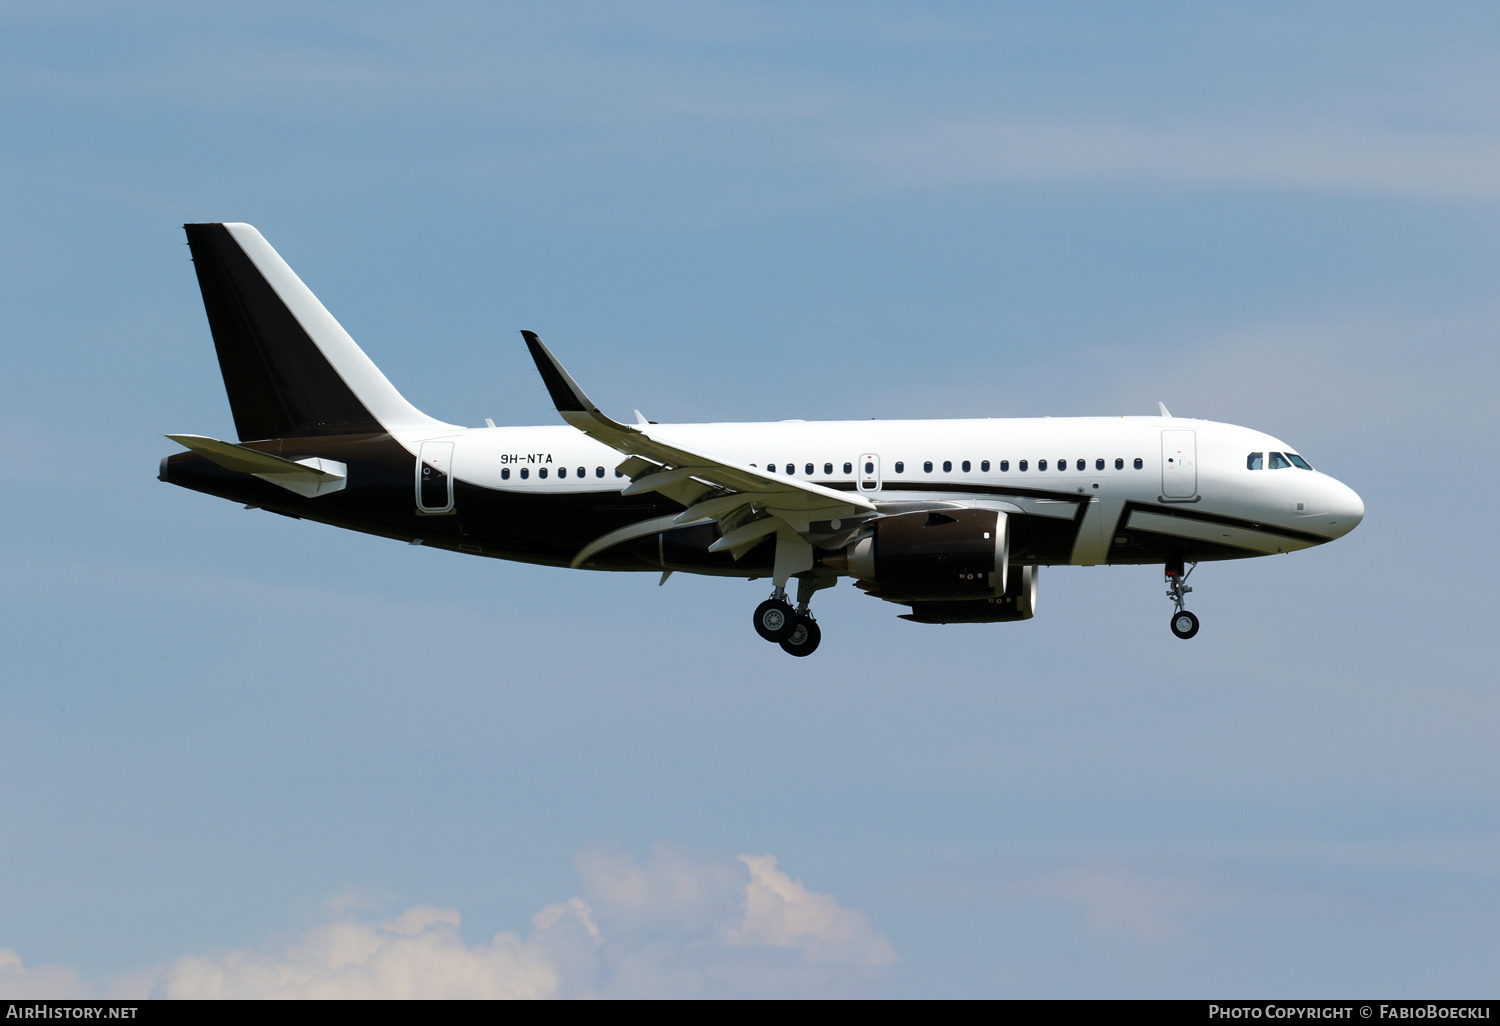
column 435, row 478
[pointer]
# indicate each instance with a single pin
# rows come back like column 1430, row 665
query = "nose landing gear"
column 1184, row 624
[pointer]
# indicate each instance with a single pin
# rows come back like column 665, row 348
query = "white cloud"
column 678, row 924
column 684, row 923
column 673, row 889
column 419, row 954
column 780, row 912
column 42, row 983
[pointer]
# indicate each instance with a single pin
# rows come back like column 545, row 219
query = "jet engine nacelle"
column 1018, row 603
column 936, row 556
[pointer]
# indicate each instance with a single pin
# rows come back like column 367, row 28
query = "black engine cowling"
column 943, row 556
column 1018, row 603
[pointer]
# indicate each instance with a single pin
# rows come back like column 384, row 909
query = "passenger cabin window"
column 984, row 466
column 505, row 473
column 927, row 467
column 525, row 473
column 791, row 468
column 1022, row 465
column 1119, row 464
column 583, row 471
column 1139, row 463
column 809, row 469
column 849, row 468
column 1298, row 461
column 619, row 473
column 1279, row 462
column 1255, row 461
column 542, row 473
column 1082, row 464
column 598, row 471
column 1062, row 464
column 900, row 468
column 1004, row 466
column 947, row 466
column 1040, row 464
column 562, row 471
column 828, row 470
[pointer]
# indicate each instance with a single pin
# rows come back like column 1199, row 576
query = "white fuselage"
column 1043, row 465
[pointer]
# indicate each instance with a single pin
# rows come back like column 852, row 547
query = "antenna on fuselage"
column 1164, row 411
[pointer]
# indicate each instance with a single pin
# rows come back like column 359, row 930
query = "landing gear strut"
column 1184, row 624
column 794, row 630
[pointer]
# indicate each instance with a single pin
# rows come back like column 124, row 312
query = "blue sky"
column 231, row 741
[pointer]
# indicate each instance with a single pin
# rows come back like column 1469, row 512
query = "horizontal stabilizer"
column 309, row 477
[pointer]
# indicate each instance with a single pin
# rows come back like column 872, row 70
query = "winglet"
column 576, row 408
column 1164, row 411
column 566, row 395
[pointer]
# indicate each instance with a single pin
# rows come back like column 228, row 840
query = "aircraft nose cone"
column 1345, row 509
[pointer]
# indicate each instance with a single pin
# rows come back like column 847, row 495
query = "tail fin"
column 288, row 366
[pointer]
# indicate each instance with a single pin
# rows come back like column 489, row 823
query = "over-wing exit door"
column 1179, row 464
column 869, row 472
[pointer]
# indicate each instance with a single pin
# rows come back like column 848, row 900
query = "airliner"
column 950, row 519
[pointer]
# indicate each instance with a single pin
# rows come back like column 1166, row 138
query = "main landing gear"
column 774, row 618
column 794, row 630
column 1184, row 624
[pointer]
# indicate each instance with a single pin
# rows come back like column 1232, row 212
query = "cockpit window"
column 1279, row 462
column 1298, row 461
column 1254, row 460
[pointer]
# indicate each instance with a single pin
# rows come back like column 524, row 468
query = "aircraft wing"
column 747, row 503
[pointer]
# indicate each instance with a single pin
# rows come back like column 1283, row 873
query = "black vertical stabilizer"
column 279, row 382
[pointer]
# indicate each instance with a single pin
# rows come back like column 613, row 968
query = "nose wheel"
column 1184, row 624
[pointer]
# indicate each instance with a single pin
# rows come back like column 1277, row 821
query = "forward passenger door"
column 1179, row 465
